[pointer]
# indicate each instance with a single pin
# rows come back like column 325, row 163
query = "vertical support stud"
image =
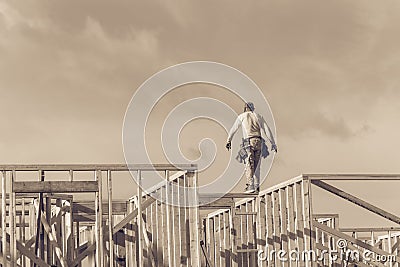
column 99, row 221
column 139, row 219
column 110, row 219
column 4, row 214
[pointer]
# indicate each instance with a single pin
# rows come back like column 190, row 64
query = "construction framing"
column 43, row 223
column 281, row 218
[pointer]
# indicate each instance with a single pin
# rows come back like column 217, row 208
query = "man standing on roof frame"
column 253, row 145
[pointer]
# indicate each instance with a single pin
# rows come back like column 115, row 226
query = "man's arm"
column 232, row 132
column 234, row 129
column 270, row 136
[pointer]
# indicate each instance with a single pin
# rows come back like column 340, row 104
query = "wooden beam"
column 353, row 177
column 53, row 240
column 369, row 229
column 56, row 187
column 88, row 207
column 3, row 213
column 351, row 239
column 110, row 219
column 83, row 255
column 132, row 215
column 13, row 233
column 94, row 167
column 99, row 219
column 139, row 221
column 357, row 201
column 26, row 252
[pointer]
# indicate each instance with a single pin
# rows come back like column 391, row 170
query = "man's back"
column 250, row 124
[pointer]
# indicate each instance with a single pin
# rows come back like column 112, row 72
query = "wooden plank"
column 83, row 255
column 55, row 187
column 270, row 228
column 235, row 234
column 281, row 185
column 252, row 231
column 262, row 229
column 164, row 226
column 299, row 219
column 148, row 243
column 353, row 177
column 99, row 219
column 94, row 167
column 139, row 221
column 159, row 243
column 310, row 234
column 26, row 252
column 218, row 240
column 291, row 220
column 194, row 222
column 110, row 219
column 227, row 247
column 131, row 215
column 130, row 251
column 23, row 229
column 175, row 213
column 212, row 244
column 277, row 226
column 3, row 213
column 244, row 237
column 154, row 230
column 284, row 219
column 13, row 233
column 351, row 239
column 53, row 241
column 169, row 221
column 182, row 222
column 357, row 201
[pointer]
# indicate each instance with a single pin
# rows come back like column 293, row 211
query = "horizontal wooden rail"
column 101, row 167
column 354, row 177
column 55, row 187
column 357, row 201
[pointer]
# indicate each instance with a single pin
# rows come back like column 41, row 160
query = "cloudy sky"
column 329, row 69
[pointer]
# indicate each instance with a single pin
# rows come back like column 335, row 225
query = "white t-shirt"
column 251, row 123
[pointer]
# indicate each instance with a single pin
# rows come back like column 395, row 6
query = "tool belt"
column 243, row 151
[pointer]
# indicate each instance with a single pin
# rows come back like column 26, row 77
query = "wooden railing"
column 41, row 225
column 281, row 218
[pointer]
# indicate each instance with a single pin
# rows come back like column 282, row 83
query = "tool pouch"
column 264, row 149
column 242, row 153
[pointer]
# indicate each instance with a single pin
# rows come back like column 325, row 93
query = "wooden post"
column 300, row 220
column 22, row 225
column 308, row 218
column 4, row 215
column 194, row 221
column 139, row 219
column 58, row 224
column 48, row 219
column 169, row 220
column 71, row 245
column 39, row 241
column 13, row 233
column 110, row 219
column 182, row 221
column 99, row 220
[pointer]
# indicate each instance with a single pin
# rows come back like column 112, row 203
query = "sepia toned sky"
column 329, row 69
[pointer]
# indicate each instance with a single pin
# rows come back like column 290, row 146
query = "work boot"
column 249, row 189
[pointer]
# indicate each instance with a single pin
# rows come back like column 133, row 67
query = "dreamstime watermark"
column 154, row 90
column 343, row 253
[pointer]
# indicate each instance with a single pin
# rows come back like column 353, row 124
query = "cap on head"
column 249, row 106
